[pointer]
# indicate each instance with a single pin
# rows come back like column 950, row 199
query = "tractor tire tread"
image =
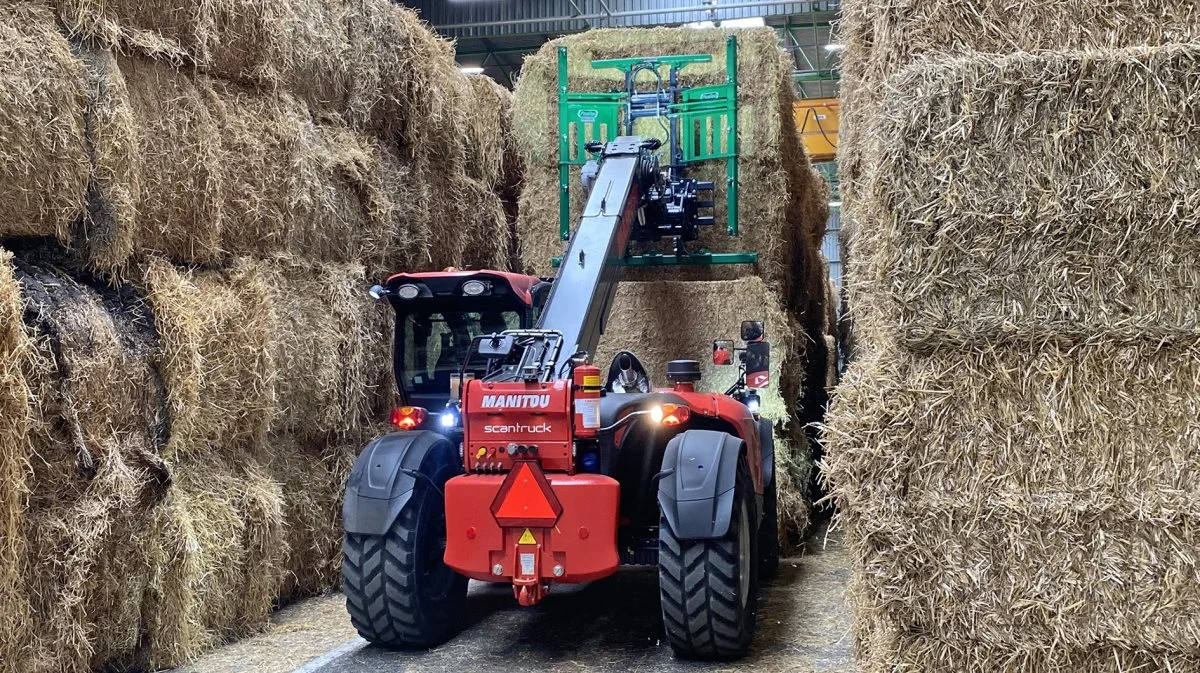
column 380, row 585
column 703, row 616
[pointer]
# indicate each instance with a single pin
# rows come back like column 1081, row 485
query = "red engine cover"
column 499, row 415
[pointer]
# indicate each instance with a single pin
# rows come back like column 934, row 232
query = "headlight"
column 670, row 414
column 753, row 403
column 449, row 419
column 408, row 291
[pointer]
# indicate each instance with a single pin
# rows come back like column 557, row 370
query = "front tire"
column 399, row 591
column 709, row 588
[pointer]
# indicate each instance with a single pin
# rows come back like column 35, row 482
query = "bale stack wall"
column 881, row 37
column 202, row 133
column 782, row 213
column 198, row 198
column 1010, row 451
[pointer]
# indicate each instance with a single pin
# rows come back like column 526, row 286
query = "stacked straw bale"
column 158, row 524
column 99, row 427
column 198, row 196
column 782, row 210
column 1011, row 451
column 16, row 421
column 882, row 37
column 43, row 155
column 210, row 131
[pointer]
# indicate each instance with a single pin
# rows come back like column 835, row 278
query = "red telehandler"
column 518, row 461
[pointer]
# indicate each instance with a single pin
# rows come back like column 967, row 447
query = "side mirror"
column 722, row 352
column 752, row 330
column 758, row 364
column 496, row 345
column 376, row 292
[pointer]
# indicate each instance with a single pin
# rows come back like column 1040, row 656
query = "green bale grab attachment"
column 701, row 125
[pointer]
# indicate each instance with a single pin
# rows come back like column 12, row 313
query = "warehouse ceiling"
column 497, row 34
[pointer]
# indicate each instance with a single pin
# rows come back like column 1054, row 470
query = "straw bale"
column 101, row 421
column 882, row 36
column 16, row 421
column 216, row 359
column 1033, row 197
column 392, row 51
column 301, row 45
column 312, row 479
column 348, row 207
column 323, row 325
column 315, row 53
column 114, row 189
column 761, row 76
column 178, row 161
column 490, row 149
column 1024, row 497
column 259, row 145
column 218, row 546
column 173, row 32
column 644, row 313
column 408, row 88
column 774, row 179
column 408, row 205
column 485, row 223
column 217, row 169
column 901, row 651
column 43, row 156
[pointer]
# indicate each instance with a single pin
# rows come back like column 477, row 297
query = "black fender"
column 383, row 478
column 695, row 487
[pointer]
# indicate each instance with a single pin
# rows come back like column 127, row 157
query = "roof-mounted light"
column 409, row 291
column 474, row 288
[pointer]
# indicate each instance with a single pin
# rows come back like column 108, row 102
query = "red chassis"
column 561, row 525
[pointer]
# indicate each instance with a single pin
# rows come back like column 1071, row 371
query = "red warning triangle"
column 526, row 499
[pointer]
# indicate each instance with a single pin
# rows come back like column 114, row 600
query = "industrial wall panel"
column 831, row 246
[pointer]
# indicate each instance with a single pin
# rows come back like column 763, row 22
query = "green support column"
column 731, row 164
column 564, row 151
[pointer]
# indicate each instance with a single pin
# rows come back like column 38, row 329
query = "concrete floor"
column 610, row 625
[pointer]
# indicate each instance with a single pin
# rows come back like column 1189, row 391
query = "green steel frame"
column 586, row 117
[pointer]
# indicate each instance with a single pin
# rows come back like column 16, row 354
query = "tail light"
column 670, row 414
column 408, row 418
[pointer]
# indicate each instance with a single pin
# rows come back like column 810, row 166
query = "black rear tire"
column 399, row 591
column 768, row 533
column 709, row 588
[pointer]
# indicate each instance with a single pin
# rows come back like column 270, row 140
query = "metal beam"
column 509, row 50
column 705, row 8
column 816, row 76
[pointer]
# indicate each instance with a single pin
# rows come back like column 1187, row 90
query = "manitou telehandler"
column 517, row 461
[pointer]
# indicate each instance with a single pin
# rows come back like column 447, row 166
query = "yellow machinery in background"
column 817, row 121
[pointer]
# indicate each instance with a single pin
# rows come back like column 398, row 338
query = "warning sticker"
column 527, row 538
column 527, row 564
column 590, row 411
column 591, row 381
